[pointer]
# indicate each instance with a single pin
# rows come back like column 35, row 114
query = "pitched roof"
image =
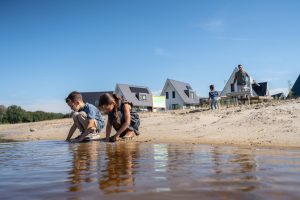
column 183, row 89
column 93, row 97
column 131, row 92
column 296, row 87
column 278, row 95
column 261, row 89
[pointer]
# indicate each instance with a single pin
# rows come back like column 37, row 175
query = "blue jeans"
column 213, row 104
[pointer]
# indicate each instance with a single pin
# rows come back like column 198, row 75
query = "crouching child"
column 121, row 116
column 86, row 117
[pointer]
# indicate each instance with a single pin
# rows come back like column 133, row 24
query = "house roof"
column 182, row 89
column 296, row 87
column 131, row 92
column 93, row 97
column 281, row 94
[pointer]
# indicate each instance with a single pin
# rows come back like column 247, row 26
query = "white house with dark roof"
column 140, row 96
column 256, row 89
column 179, row 95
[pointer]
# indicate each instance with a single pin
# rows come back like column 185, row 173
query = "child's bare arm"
column 127, row 120
column 71, row 132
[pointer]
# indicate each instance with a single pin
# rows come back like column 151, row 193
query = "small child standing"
column 121, row 115
column 86, row 117
column 213, row 97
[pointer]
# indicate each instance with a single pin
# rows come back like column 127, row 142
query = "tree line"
column 15, row 114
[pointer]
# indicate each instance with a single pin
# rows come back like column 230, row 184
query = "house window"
column 192, row 95
column 167, row 95
column 173, row 94
column 143, row 97
column 232, row 87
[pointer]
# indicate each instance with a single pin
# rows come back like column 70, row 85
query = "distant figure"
column 213, row 97
column 121, row 115
column 241, row 79
column 86, row 117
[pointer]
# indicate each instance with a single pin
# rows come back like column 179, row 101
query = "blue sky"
column 51, row 47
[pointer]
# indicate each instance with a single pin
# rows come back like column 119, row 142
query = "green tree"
column 2, row 113
column 15, row 114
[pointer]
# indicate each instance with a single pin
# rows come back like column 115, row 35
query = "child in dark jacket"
column 121, row 116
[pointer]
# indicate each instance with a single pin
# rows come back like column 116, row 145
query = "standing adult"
column 241, row 79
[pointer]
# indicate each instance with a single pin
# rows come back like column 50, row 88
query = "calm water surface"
column 58, row 170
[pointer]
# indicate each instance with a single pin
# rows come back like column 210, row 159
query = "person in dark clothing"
column 121, row 116
column 241, row 79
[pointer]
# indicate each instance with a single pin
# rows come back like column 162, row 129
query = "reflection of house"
column 93, row 97
column 295, row 91
column 256, row 89
column 140, row 96
column 179, row 95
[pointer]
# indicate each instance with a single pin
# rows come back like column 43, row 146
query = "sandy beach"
column 274, row 123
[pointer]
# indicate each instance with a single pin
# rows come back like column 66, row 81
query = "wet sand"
column 267, row 124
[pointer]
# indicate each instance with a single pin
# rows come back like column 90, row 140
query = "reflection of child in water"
column 84, row 157
column 119, row 177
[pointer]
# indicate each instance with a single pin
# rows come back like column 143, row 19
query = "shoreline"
column 277, row 147
column 271, row 124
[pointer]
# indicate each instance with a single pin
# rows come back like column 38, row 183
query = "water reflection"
column 119, row 174
column 112, row 166
column 217, row 159
column 246, row 169
column 87, row 170
column 160, row 157
column 237, row 167
column 117, row 166
column 84, row 161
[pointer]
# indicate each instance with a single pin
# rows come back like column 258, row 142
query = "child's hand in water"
column 72, row 141
column 116, row 137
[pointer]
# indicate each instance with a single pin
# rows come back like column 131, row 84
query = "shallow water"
column 58, row 170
